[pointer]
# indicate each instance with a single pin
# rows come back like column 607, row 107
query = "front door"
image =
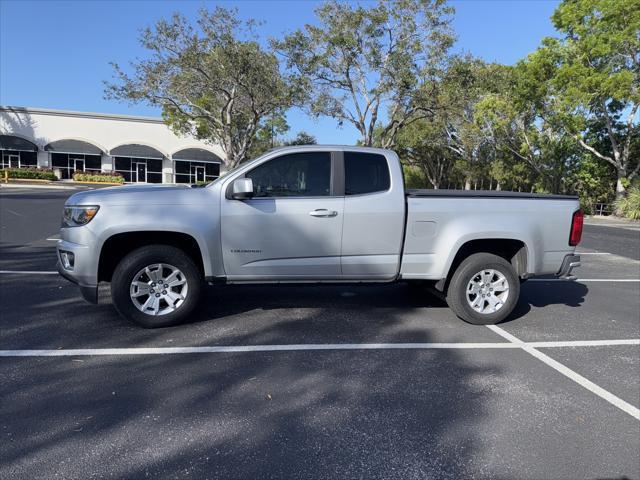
column 291, row 229
column 14, row 160
column 140, row 172
column 77, row 165
column 198, row 173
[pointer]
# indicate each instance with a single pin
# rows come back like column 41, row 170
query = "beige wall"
column 105, row 131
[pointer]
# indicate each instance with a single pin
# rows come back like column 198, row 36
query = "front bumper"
column 89, row 292
column 84, row 271
column 570, row 262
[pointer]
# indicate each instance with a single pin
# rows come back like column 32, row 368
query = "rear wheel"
column 484, row 289
column 156, row 286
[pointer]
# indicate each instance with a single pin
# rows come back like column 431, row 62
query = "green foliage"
column 588, row 80
column 562, row 120
column 212, row 80
column 593, row 181
column 414, row 177
column 302, row 138
column 629, row 206
column 267, row 135
column 105, row 177
column 358, row 59
column 421, row 146
column 29, row 173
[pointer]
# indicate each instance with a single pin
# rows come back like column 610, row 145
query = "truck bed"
column 485, row 194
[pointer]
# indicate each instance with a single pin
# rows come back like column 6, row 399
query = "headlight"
column 78, row 216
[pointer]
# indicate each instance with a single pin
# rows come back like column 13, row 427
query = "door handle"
column 323, row 212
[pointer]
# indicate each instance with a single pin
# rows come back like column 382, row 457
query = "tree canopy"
column 564, row 119
column 358, row 61
column 212, row 80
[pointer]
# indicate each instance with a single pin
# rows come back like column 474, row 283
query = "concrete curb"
column 29, row 186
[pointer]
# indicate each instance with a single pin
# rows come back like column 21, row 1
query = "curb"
column 99, row 183
column 50, row 186
column 30, row 180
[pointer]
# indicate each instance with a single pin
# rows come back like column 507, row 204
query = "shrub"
column 629, row 205
column 29, row 173
column 105, row 177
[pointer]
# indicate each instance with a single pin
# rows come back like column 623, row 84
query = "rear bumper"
column 89, row 292
column 570, row 262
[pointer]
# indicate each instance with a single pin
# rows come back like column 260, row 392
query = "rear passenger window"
column 365, row 173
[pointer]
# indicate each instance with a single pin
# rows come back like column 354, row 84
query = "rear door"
column 373, row 217
column 292, row 228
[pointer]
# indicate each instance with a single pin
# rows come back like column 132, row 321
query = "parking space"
column 318, row 382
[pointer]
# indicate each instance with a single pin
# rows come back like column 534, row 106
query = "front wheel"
column 156, row 286
column 484, row 289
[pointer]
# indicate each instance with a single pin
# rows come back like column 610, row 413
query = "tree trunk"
column 620, row 189
column 498, row 186
column 467, row 184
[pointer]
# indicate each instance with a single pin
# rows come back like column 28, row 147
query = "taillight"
column 576, row 228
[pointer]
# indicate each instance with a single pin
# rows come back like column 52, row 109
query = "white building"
column 141, row 149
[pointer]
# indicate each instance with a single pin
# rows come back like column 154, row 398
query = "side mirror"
column 242, row 189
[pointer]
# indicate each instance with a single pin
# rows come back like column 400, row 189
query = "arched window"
column 16, row 152
column 70, row 155
column 138, row 163
column 193, row 165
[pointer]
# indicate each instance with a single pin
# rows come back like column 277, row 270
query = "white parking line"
column 632, row 280
column 73, row 352
column 27, row 272
column 567, row 372
column 628, row 280
column 252, row 348
column 584, row 343
column 52, row 239
column 593, row 253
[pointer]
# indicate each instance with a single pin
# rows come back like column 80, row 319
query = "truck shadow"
column 239, row 299
column 540, row 294
column 333, row 414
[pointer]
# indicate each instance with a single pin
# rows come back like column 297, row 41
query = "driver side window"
column 306, row 174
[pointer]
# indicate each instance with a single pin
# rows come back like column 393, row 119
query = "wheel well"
column 514, row 251
column 115, row 248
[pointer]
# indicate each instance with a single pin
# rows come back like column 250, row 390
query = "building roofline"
column 72, row 113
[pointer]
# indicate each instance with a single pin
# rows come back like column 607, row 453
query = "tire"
column 469, row 276
column 175, row 303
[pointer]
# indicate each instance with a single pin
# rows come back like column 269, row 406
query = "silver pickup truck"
column 313, row 214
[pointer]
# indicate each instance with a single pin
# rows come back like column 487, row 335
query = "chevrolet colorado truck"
column 313, row 214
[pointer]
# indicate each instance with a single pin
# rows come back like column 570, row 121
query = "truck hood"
column 139, row 194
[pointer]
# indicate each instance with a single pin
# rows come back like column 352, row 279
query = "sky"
column 56, row 54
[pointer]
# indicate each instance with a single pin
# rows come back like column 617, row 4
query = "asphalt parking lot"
column 316, row 382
